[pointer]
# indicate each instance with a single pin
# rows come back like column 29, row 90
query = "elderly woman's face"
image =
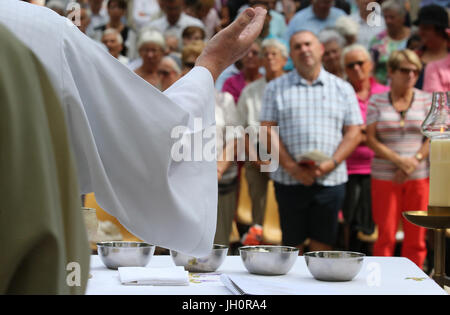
column 111, row 41
column 167, row 74
column 393, row 19
column 405, row 75
column 273, row 60
column 332, row 56
column 358, row 66
column 252, row 59
column 151, row 53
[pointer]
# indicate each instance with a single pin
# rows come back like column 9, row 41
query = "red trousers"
column 389, row 200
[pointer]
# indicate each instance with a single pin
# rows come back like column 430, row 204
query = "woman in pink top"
column 249, row 73
column 399, row 168
column 437, row 76
column 357, row 206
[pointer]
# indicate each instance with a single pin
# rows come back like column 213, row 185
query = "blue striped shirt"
column 311, row 117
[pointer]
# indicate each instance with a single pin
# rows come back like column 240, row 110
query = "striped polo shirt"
column 406, row 140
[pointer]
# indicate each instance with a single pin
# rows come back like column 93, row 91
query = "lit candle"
column 440, row 173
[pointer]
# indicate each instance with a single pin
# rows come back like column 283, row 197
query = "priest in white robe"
column 120, row 126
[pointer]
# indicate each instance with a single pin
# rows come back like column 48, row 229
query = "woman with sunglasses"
column 399, row 168
column 357, row 209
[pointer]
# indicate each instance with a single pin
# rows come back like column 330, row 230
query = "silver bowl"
column 268, row 260
column 208, row 263
column 125, row 254
column 334, row 265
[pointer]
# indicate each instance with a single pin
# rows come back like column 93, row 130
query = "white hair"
column 354, row 47
column 330, row 35
column 347, row 26
column 151, row 36
column 272, row 42
column 109, row 31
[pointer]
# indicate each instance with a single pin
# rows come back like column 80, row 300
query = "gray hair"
column 354, row 47
column 109, row 31
column 329, row 35
column 272, row 42
column 395, row 5
column 174, row 63
column 55, row 4
column 171, row 33
column 151, row 36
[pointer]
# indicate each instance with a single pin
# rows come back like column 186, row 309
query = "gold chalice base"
column 428, row 219
column 438, row 219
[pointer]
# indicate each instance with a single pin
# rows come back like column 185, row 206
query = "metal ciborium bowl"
column 208, row 263
column 334, row 265
column 268, row 259
column 125, row 254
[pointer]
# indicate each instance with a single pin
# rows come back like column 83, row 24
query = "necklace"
column 402, row 112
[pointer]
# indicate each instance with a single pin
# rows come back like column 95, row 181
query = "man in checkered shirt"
column 314, row 110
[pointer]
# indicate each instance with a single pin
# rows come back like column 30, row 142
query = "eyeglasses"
column 353, row 64
column 408, row 71
column 163, row 73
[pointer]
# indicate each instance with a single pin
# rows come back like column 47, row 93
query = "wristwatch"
column 336, row 164
column 419, row 156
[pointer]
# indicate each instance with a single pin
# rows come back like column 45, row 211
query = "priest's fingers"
column 241, row 22
column 248, row 25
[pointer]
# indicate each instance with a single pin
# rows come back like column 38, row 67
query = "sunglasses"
column 408, row 71
column 353, row 64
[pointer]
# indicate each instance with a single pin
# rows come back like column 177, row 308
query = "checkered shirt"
column 311, row 117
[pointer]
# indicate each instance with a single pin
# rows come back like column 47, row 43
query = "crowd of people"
column 351, row 79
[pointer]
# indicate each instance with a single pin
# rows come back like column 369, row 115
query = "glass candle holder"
column 436, row 126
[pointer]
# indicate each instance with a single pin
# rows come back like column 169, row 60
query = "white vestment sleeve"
column 124, row 148
column 120, row 130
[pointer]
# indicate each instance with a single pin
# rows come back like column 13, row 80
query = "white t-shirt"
column 250, row 102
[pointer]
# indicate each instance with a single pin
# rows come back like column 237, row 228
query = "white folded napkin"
column 153, row 276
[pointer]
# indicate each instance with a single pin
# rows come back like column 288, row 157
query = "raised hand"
column 233, row 42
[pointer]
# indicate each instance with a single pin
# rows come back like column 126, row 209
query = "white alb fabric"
column 120, row 131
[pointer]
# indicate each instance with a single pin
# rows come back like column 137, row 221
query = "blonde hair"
column 193, row 49
column 399, row 56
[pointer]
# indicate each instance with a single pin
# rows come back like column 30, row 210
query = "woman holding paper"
column 399, row 168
